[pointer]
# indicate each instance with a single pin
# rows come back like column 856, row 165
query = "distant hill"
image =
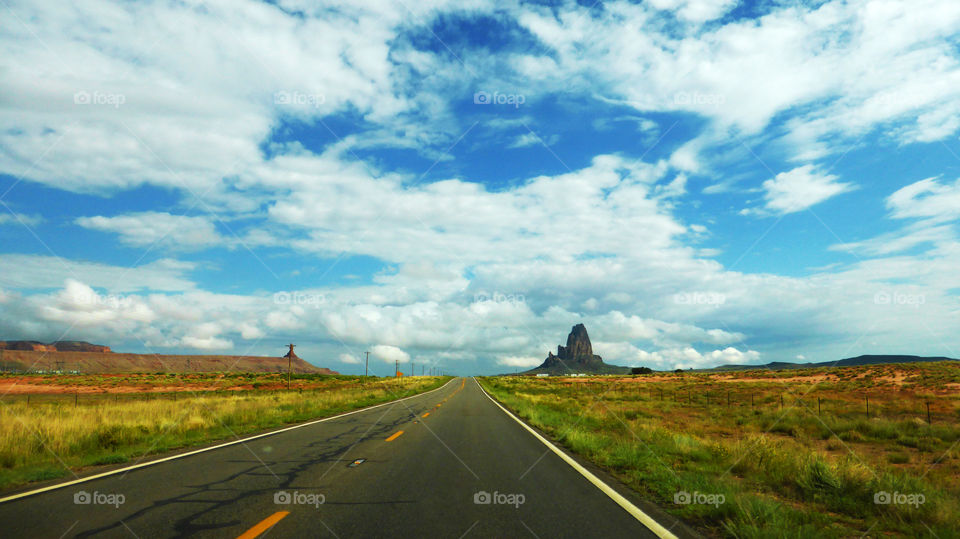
column 112, row 362
column 58, row 346
column 575, row 358
column 848, row 362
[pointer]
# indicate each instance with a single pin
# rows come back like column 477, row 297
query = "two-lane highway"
column 449, row 463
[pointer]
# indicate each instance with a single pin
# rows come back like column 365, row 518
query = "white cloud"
column 11, row 218
column 38, row 271
column 206, row 343
column 147, row 229
column 519, row 361
column 926, row 199
column 389, row 354
column 801, row 188
column 349, row 359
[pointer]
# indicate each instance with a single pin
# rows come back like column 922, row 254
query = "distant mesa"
column 86, row 358
column 871, row 359
column 576, row 357
column 57, row 346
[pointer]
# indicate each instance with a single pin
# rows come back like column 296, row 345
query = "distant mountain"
column 58, row 346
column 848, row 362
column 576, row 357
column 102, row 362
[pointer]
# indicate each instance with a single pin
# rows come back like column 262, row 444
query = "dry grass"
column 784, row 470
column 43, row 441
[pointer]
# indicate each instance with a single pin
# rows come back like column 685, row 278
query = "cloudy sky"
column 457, row 183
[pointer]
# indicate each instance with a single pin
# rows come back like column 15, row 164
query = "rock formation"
column 576, row 357
column 59, row 346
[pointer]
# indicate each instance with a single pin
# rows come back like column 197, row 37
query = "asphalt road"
column 428, row 462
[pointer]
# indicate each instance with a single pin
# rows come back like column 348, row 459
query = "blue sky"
column 457, row 183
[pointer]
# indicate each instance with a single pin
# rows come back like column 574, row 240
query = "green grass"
column 50, row 439
column 782, row 472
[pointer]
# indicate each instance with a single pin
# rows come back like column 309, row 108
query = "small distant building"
column 543, row 375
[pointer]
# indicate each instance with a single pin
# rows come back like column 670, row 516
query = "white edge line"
column 211, row 448
column 644, row 518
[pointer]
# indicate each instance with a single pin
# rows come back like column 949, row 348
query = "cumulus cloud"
column 147, row 229
column 801, row 188
column 519, row 361
column 389, row 354
column 349, row 359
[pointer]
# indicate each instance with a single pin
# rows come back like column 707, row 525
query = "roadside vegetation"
column 55, row 434
column 842, row 452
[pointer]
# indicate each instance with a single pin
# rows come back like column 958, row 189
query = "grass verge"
column 753, row 469
column 51, row 440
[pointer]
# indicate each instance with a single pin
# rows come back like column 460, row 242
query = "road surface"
column 449, row 463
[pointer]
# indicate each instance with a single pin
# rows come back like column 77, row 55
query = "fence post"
column 929, row 422
column 866, row 399
column 818, row 405
column 76, row 398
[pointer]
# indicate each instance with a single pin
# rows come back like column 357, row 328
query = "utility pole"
column 366, row 365
column 289, row 364
column 396, row 368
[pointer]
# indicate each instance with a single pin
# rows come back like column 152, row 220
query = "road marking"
column 394, row 436
column 426, row 414
column 644, row 518
column 211, row 448
column 264, row 525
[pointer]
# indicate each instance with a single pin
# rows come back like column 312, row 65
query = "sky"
column 456, row 184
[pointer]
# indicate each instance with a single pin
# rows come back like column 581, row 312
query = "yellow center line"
column 264, row 525
column 426, row 414
column 394, row 436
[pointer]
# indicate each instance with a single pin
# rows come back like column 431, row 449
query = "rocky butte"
column 576, row 357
